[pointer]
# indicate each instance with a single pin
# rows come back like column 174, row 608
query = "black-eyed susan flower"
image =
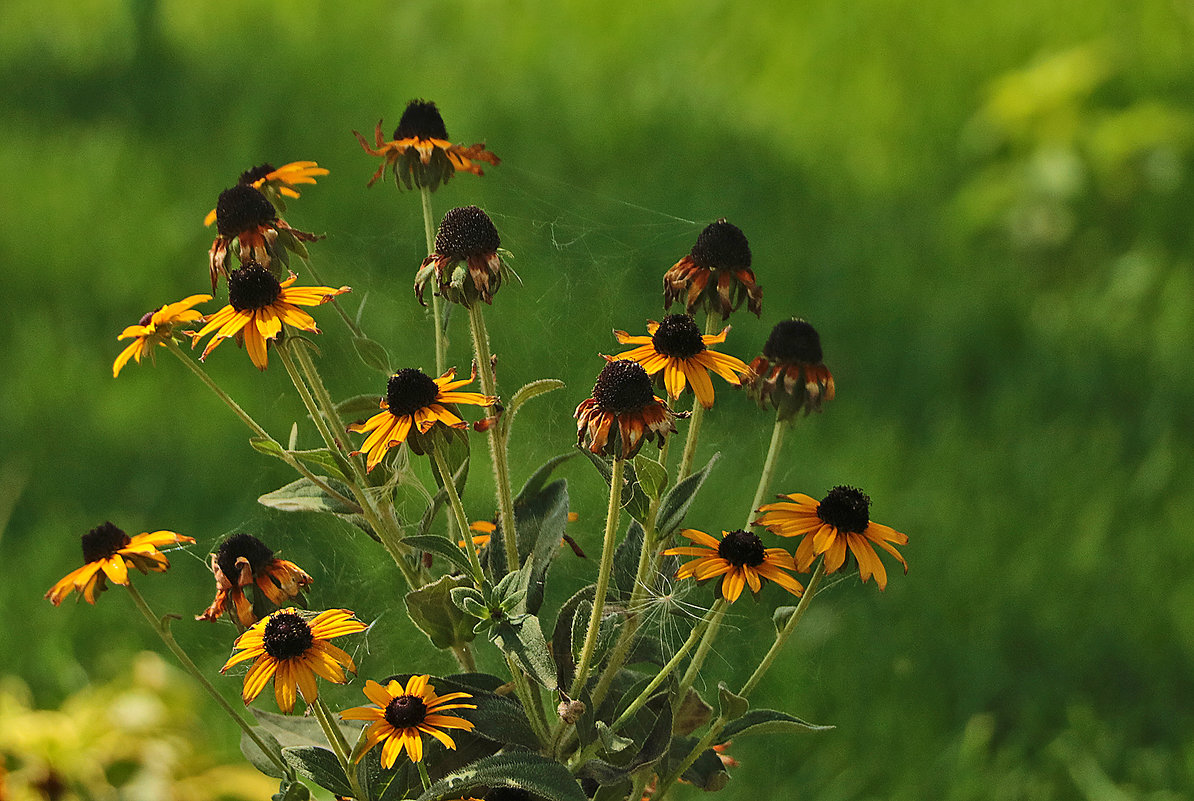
column 420, row 152
column 739, row 558
column 245, row 215
column 676, row 349
column 277, row 182
column 404, row 714
column 257, row 306
column 790, row 375
column 466, row 263
column 244, row 561
column 716, row 273
column 623, row 413
column 413, row 404
column 108, row 553
column 839, row 521
column 155, row 328
column 292, row 650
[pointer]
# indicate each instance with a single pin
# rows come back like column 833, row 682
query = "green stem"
column 458, row 510
column 531, row 704
column 423, row 777
column 441, row 341
column 261, row 433
column 777, row 441
column 715, row 728
column 603, row 575
column 712, row 320
column 698, row 659
column 163, row 631
column 339, row 745
column 497, row 439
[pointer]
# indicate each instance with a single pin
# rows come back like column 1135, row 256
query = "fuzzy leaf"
column 730, row 706
column 291, row 791
column 525, row 642
column 431, row 609
column 634, row 500
column 304, row 496
column 675, row 504
column 362, row 406
column 257, row 758
column 540, row 778
column 768, row 721
column 320, row 766
column 561, row 637
column 781, row 616
column 440, row 546
column 372, row 354
column 528, row 391
column 652, row 476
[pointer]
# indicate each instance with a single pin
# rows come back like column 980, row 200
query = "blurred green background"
column 984, row 208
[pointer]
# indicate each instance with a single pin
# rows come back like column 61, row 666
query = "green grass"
column 1005, row 302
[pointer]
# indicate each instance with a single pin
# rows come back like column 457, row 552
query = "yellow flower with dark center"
column 677, row 349
column 243, row 561
column 789, row 375
column 420, row 152
column 403, row 715
column 624, row 406
column 276, row 182
column 292, row 651
column 466, row 237
column 155, row 328
column 257, row 306
column 739, row 557
column 829, row 526
column 413, row 404
column 109, row 553
column 245, row 215
column 716, row 274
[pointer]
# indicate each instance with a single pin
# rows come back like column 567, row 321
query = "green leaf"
column 707, row 772
column 431, row 609
column 730, row 706
column 612, row 743
column 768, row 721
column 361, row 406
column 291, row 730
column 525, row 642
column 561, row 637
column 675, row 504
column 692, row 714
column 543, row 520
column 652, row 476
column 291, row 791
column 304, row 496
column 320, row 766
column 440, row 546
column 540, row 778
column 626, row 556
column 257, row 758
column 267, row 446
column 528, row 391
column 324, row 460
column 634, row 500
column 781, row 616
column 372, row 354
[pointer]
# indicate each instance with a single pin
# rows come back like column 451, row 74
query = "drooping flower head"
column 244, row 561
column 108, row 553
column 624, row 405
column 155, row 328
column 421, row 153
column 257, row 306
column 414, row 402
column 292, row 649
column 790, row 375
column 466, row 264
column 276, row 183
column 739, row 557
column 676, row 350
column 245, row 215
column 716, row 273
column 403, row 714
column 839, row 521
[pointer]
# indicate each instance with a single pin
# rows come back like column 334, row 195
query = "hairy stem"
column 441, row 340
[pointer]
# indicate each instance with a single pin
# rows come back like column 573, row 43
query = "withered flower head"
column 466, row 264
column 623, row 403
column 716, row 273
column 420, row 153
column 790, row 375
column 244, row 561
column 245, row 215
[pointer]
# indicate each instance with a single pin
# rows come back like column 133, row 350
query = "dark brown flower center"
column 102, row 542
column 242, row 208
column 406, row 711
column 793, row 341
column 252, row 287
column 846, row 509
column 255, row 173
column 742, row 548
column 465, row 232
column 678, row 336
column 623, row 386
column 410, row 390
column 147, row 318
column 286, row 636
column 239, row 545
column 721, row 246
column 421, row 120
